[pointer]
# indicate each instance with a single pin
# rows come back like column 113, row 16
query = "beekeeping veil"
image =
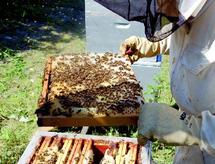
column 160, row 17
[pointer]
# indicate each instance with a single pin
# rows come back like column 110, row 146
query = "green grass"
column 20, row 86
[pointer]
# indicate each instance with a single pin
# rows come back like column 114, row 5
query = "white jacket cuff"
column 208, row 132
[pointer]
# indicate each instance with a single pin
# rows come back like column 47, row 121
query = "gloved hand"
column 131, row 48
column 135, row 47
column 161, row 122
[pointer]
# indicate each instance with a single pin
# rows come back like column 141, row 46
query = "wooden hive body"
column 63, row 148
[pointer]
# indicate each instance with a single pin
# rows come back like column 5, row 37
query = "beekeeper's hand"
column 161, row 122
column 135, row 47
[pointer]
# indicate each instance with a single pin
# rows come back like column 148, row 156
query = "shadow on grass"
column 58, row 18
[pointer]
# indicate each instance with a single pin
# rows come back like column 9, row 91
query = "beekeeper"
column 185, row 28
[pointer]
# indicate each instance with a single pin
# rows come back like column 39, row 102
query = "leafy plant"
column 6, row 53
column 160, row 93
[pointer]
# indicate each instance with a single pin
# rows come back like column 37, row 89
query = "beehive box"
column 62, row 148
column 89, row 90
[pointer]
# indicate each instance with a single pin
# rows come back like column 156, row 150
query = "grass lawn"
column 21, row 74
column 20, row 85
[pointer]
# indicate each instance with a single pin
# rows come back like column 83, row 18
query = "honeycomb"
column 90, row 85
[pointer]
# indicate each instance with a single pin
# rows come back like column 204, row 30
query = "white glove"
column 135, row 47
column 161, row 122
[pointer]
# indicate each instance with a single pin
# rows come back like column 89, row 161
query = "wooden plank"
column 86, row 142
column 77, row 153
column 72, row 152
column 124, row 150
column 42, row 148
column 119, row 154
column 84, row 129
column 45, row 83
column 45, row 128
column 64, row 151
column 134, row 153
column 87, row 121
column 63, row 159
column 87, row 152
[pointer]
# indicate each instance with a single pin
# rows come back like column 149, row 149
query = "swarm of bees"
column 91, row 85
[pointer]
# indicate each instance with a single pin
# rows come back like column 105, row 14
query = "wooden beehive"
column 89, row 90
column 61, row 148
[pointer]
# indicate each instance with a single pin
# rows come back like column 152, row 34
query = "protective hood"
column 160, row 17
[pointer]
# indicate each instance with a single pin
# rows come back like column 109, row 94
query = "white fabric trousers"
column 192, row 155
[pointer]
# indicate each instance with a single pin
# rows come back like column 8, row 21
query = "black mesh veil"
column 160, row 17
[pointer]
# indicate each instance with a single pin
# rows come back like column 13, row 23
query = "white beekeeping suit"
column 192, row 71
column 192, row 59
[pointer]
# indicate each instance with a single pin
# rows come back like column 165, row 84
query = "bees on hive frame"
column 81, row 78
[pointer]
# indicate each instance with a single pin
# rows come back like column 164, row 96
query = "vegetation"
column 20, row 85
column 160, row 93
column 24, row 48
